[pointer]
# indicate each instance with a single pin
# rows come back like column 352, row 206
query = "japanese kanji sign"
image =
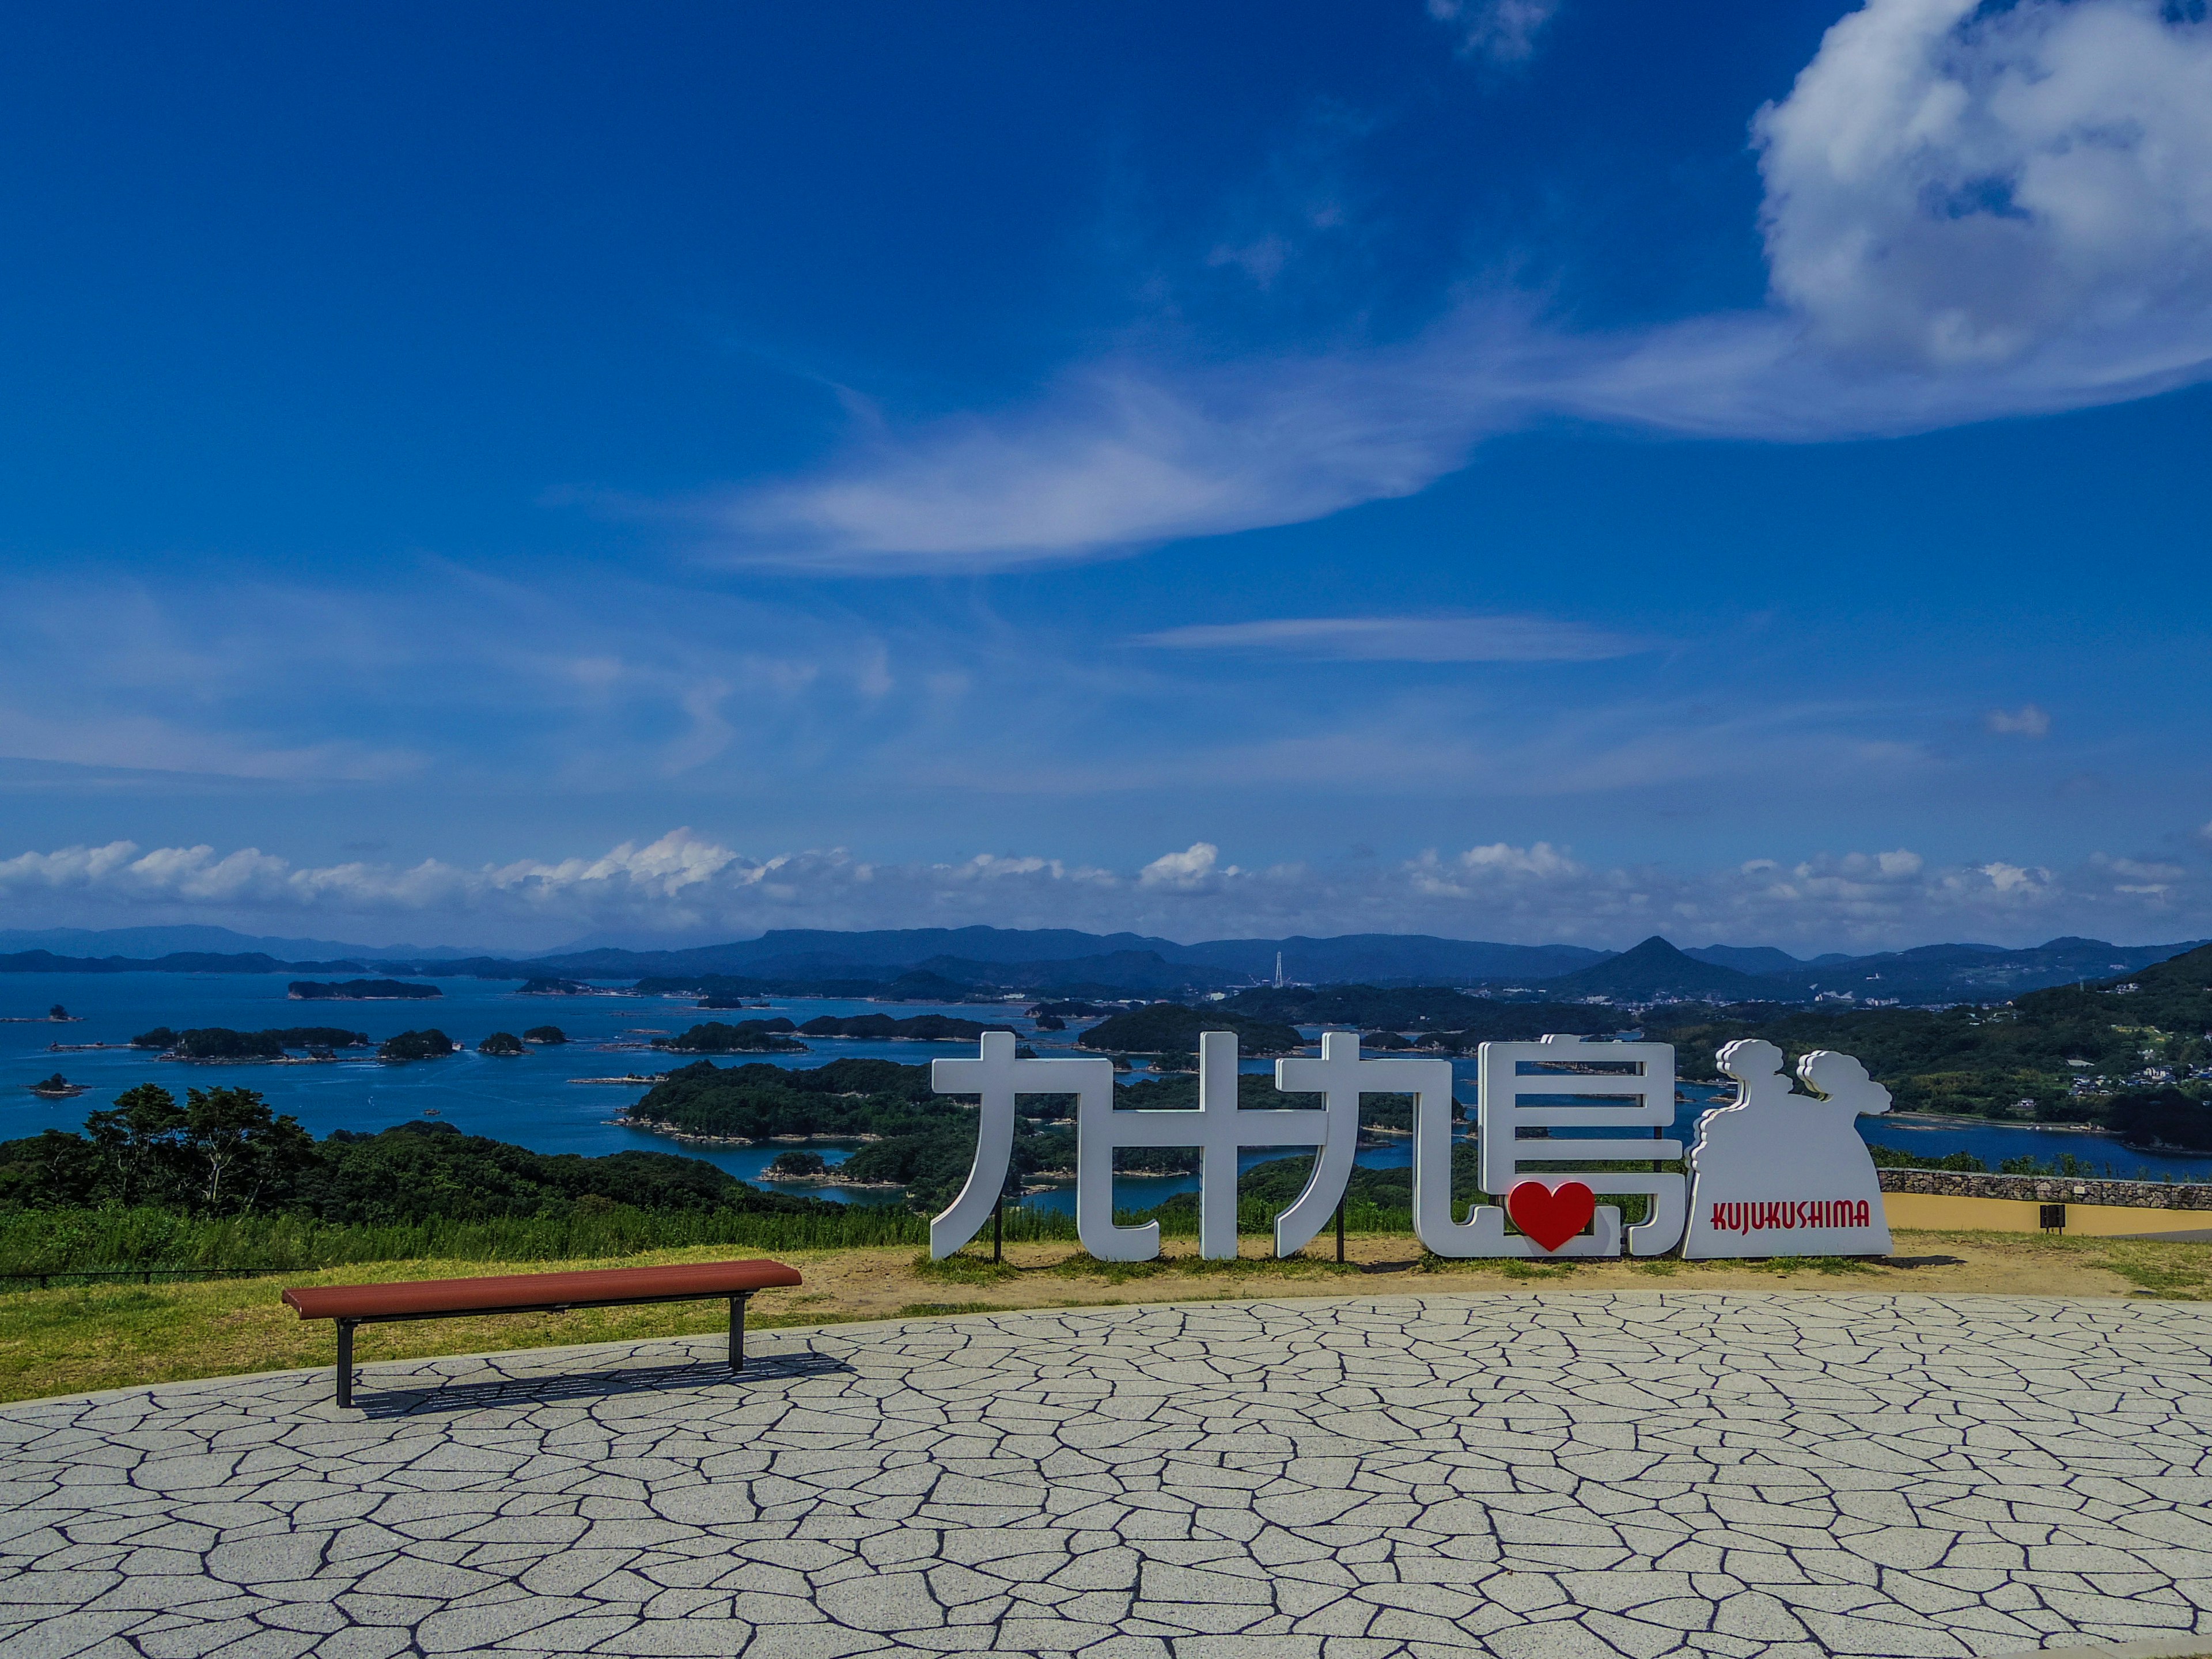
column 1558, row 1122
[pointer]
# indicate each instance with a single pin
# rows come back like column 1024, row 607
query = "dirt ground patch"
column 74, row 1340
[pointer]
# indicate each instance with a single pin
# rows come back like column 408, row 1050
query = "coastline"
column 1939, row 1119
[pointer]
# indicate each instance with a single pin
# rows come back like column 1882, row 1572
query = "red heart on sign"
column 1551, row 1215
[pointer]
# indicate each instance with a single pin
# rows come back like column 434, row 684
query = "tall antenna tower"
column 1279, row 971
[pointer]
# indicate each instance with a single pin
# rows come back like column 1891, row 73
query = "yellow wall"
column 2018, row 1215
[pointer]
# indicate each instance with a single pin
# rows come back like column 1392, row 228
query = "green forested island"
column 747, row 1036
column 219, row 1042
column 359, row 990
column 1173, row 1028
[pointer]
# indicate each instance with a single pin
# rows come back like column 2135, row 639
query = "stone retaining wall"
column 2049, row 1190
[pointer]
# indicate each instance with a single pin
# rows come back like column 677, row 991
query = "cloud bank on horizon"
column 685, row 889
column 1969, row 214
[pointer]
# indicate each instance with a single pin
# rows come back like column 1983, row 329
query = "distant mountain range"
column 935, row 961
column 195, row 939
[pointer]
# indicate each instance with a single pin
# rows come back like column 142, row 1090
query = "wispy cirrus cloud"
column 1501, row 31
column 1968, row 214
column 2026, row 721
column 1405, row 639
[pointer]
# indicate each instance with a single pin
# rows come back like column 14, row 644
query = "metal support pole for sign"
column 1339, row 1230
column 998, row 1232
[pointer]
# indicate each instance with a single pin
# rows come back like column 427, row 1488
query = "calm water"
column 531, row 1101
column 534, row 1101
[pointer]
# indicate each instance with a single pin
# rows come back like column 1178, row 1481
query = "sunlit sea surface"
column 536, row 1101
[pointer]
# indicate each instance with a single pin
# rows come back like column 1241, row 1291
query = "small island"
column 1173, row 1029
column 747, row 1036
column 359, row 990
column 57, row 1087
column 432, row 1044
column 882, row 1027
column 220, row 1042
column 504, row 1044
column 550, row 1036
column 556, row 987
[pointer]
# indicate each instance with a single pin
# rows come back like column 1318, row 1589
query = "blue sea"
column 543, row 1100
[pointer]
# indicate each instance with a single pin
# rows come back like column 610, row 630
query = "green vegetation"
column 550, row 1036
column 2069, row 1055
column 1893, row 1157
column 799, row 1166
column 747, row 1036
column 220, row 1042
column 222, row 1181
column 554, row 988
column 2166, row 1117
column 1171, row 1027
column 359, row 990
column 912, row 1136
column 922, row 1028
column 433, row 1044
column 1453, row 1018
column 504, row 1044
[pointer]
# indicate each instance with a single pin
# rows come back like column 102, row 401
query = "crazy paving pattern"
column 1535, row 1477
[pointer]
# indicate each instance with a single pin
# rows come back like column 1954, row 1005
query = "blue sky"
column 1517, row 469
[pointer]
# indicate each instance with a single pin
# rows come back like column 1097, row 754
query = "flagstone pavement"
column 1565, row 1476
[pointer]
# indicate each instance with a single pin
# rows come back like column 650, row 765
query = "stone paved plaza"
column 1540, row 1477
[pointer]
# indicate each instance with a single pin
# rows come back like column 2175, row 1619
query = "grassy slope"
column 69, row 1341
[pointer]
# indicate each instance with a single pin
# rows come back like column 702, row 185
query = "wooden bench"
column 603, row 1287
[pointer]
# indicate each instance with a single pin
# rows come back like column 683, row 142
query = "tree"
column 57, row 1012
column 234, row 1149
column 137, row 1142
column 797, row 1166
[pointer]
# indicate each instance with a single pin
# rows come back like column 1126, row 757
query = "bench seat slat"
column 597, row 1286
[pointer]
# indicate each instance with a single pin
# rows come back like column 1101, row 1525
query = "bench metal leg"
column 738, row 1331
column 345, row 1364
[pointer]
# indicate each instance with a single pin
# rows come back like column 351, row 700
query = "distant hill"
column 1750, row 959
column 1972, row 973
column 1387, row 959
column 1024, row 955
column 179, row 962
column 201, row 940
column 949, row 963
column 1657, row 968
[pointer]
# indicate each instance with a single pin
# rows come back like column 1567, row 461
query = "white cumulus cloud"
column 687, row 887
column 1951, row 186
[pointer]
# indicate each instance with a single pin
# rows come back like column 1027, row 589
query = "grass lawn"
column 74, row 1340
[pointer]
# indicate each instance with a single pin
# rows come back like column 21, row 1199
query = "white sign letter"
column 998, row 1076
column 1218, row 1128
column 1340, row 1077
column 1552, row 1208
